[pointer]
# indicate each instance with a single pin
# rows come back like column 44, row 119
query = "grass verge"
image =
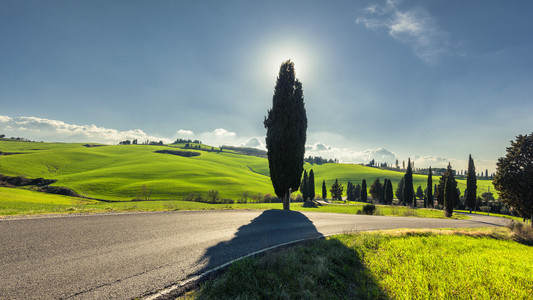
column 398, row 264
column 15, row 201
column 491, row 214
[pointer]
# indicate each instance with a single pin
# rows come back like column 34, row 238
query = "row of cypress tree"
column 307, row 187
column 446, row 191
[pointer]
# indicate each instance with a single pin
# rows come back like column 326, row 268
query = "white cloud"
column 414, row 27
column 223, row 132
column 39, row 129
column 183, row 132
column 4, row 119
column 221, row 136
column 254, row 143
column 347, row 155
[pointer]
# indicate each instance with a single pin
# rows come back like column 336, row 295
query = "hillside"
column 124, row 172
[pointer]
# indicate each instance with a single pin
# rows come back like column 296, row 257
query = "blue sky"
column 430, row 80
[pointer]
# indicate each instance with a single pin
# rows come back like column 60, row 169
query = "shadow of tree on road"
column 271, row 228
column 324, row 268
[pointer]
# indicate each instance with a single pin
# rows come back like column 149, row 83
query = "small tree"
column 364, row 195
column 304, row 186
column 439, row 190
column 350, row 192
column 399, row 191
column 408, row 189
column 336, row 190
column 450, row 192
column 311, row 186
column 375, row 190
column 471, row 184
column 429, row 193
column 384, row 191
column 213, row 196
column 324, row 190
column 419, row 192
column 357, row 192
column 388, row 192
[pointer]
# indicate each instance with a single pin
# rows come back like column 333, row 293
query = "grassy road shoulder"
column 476, row 263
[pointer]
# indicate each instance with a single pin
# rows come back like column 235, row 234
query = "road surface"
column 122, row 256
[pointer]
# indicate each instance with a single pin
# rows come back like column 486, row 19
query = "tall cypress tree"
column 471, row 184
column 324, row 190
column 311, row 186
column 357, row 192
column 384, row 191
column 429, row 194
column 387, row 191
column 364, row 195
column 349, row 191
column 286, row 126
column 450, row 192
column 408, row 189
column 304, row 188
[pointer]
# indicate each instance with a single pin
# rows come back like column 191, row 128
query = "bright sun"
column 300, row 55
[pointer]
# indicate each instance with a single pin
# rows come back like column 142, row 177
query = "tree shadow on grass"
column 317, row 269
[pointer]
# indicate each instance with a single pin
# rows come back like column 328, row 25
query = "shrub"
column 59, row 190
column 369, row 209
column 197, row 197
column 505, row 210
column 213, row 196
column 298, row 198
column 179, row 153
column 485, row 209
column 310, row 203
column 521, row 232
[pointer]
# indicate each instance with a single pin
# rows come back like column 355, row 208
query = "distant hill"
column 122, row 172
column 247, row 151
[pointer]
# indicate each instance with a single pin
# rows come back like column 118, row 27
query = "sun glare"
column 299, row 54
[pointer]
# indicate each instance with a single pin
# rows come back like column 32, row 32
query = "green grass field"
column 399, row 264
column 28, row 202
column 122, row 172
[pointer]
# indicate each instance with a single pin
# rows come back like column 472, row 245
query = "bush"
column 369, row 209
column 59, row 190
column 505, row 211
column 310, row 203
column 179, row 153
column 485, row 209
column 213, row 196
column 197, row 197
column 298, row 198
column 522, row 233
column 226, row 201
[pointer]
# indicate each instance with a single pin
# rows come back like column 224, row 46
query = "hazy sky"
column 435, row 80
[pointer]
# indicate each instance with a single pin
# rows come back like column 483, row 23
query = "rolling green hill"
column 124, row 172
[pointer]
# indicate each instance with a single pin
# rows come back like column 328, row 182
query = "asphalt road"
column 122, row 256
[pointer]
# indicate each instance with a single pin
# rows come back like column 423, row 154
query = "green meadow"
column 475, row 263
column 127, row 172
